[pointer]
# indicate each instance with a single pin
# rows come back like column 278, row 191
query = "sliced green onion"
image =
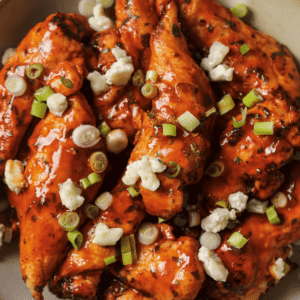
column 188, row 121
column 149, row 90
column 66, row 82
column 147, row 233
column 244, row 49
column 128, row 250
column 38, row 109
column 173, row 169
column 43, row 93
column 264, row 128
column 238, row 124
column 272, row 215
column 169, row 130
column 252, row 97
column 76, row 238
column 16, row 85
column 85, row 183
column 117, row 141
column 160, row 220
column 133, row 192
column 104, row 129
column 69, row 220
column 226, row 104
column 286, row 268
column 94, row 178
column 237, row 240
column 239, row 10
column 151, row 75
column 138, row 78
column 104, row 201
column 210, row 112
column 34, row 71
column 110, row 260
column 98, row 162
column 279, row 200
column 92, row 211
column 222, row 204
column 210, row 240
column 133, row 247
column 215, row 169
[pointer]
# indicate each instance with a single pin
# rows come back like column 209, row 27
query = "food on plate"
column 265, row 78
column 204, row 207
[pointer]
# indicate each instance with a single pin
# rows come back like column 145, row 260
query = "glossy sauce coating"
column 167, row 269
column 250, row 268
column 126, row 212
column 251, row 162
column 182, row 86
column 56, row 44
column 53, row 159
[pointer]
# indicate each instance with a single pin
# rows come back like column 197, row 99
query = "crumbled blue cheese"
column 14, row 175
column 105, row 236
column 145, row 169
column 70, row 195
column 120, row 71
column 98, row 82
column 217, row 53
column 212, row 264
column 277, row 269
column 100, row 22
column 221, row 73
column 7, row 55
column 118, row 52
column 57, row 104
column 217, row 220
column 238, row 201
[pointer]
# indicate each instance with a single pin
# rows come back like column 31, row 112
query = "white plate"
column 279, row 18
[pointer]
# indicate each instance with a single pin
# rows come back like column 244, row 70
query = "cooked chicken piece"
column 121, row 291
column 114, row 106
column 56, row 44
column 182, row 87
column 251, row 162
column 167, row 269
column 54, row 158
column 250, row 268
column 125, row 212
column 135, row 22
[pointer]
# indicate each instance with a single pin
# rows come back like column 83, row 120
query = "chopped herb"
column 280, row 53
column 176, row 31
column 260, row 150
column 150, row 115
column 238, row 160
column 261, row 75
column 230, row 23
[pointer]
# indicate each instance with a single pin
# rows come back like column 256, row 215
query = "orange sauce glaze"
column 52, row 160
column 56, row 44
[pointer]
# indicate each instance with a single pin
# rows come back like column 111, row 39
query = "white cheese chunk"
column 277, row 269
column 57, row 104
column 221, row 73
column 100, row 22
column 217, row 53
column 217, row 220
column 70, row 195
column 144, row 169
column 120, row 71
column 98, row 82
column 118, row 52
column 85, row 7
column 7, row 55
column 238, row 201
column 212, row 264
column 105, row 236
column 14, row 175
